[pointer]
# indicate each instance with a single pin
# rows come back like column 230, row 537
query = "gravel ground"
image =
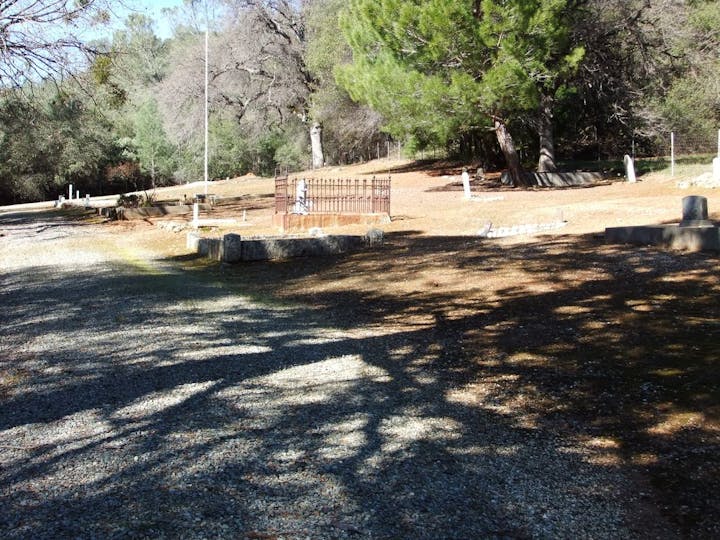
column 138, row 400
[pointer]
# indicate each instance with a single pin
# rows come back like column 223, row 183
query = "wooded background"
column 500, row 83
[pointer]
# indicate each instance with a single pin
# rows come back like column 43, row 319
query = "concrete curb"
column 670, row 236
column 232, row 248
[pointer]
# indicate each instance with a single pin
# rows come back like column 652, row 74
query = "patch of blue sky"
column 154, row 9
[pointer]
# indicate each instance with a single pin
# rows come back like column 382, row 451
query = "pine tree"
column 436, row 69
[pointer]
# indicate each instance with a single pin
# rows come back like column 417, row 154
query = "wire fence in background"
column 693, row 147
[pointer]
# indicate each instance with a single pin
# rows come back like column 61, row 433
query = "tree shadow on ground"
column 162, row 404
column 617, row 346
column 439, row 387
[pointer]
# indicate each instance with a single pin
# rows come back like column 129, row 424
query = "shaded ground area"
column 443, row 386
column 612, row 348
column 143, row 399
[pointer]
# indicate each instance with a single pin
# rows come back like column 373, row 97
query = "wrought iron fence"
column 332, row 195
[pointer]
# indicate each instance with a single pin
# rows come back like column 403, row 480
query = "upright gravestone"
column 70, row 192
column 695, row 212
column 466, row 183
column 629, row 168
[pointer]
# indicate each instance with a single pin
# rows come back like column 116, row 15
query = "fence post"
column 672, row 153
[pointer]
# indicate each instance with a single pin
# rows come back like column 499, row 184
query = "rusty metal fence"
column 332, row 195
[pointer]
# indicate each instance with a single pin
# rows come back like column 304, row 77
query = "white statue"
column 301, row 206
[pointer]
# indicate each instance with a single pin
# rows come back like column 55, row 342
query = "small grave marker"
column 629, row 168
column 695, row 212
column 466, row 183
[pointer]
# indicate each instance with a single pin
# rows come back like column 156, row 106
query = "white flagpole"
column 206, row 105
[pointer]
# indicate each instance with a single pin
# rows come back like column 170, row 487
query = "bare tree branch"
column 40, row 39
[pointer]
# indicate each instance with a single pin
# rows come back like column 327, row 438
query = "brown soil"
column 616, row 347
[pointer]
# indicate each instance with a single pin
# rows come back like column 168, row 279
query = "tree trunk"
column 507, row 146
column 546, row 163
column 318, row 160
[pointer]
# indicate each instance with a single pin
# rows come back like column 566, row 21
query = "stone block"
column 671, row 236
column 232, row 248
column 695, row 212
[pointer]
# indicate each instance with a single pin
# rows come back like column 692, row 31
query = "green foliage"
column 435, row 69
column 48, row 140
column 348, row 126
column 229, row 149
column 292, row 153
column 154, row 151
column 692, row 104
column 265, row 151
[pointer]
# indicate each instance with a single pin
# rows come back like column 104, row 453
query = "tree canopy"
column 509, row 83
column 437, row 69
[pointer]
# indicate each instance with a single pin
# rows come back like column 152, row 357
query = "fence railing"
column 332, row 195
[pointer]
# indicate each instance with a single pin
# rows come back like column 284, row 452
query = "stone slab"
column 285, row 248
column 695, row 212
column 671, row 236
column 232, row 248
column 305, row 222
column 158, row 211
column 558, row 179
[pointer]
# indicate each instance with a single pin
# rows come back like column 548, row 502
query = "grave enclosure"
column 306, row 203
column 695, row 232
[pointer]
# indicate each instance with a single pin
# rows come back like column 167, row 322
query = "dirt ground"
column 615, row 346
column 427, row 200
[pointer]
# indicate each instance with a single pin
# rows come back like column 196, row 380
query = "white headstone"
column 629, row 168
column 716, row 169
column 466, row 184
column 70, row 192
column 196, row 213
column 87, row 200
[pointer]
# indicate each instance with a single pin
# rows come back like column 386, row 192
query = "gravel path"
column 139, row 401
